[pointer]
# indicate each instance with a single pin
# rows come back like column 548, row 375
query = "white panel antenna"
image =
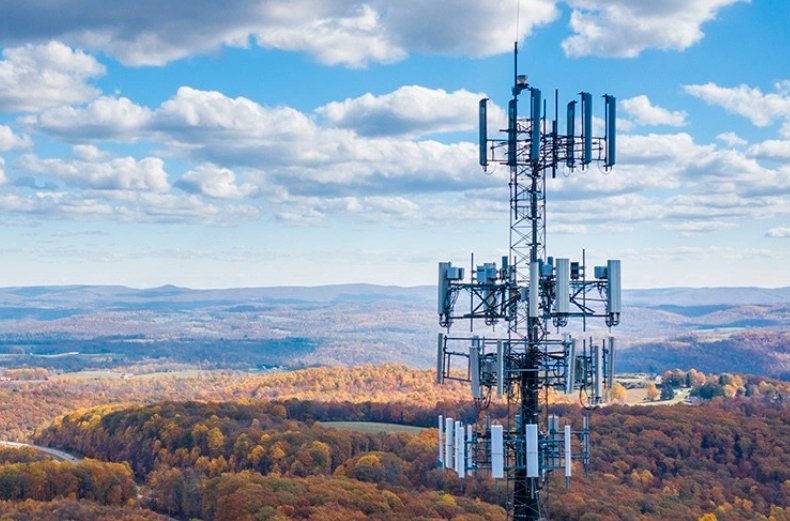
column 443, row 286
column 570, row 375
column 441, row 440
column 449, row 447
column 610, row 364
column 554, row 431
column 568, row 458
column 468, row 449
column 534, row 289
column 474, row 367
column 598, row 353
column 440, row 359
column 554, row 423
column 500, row 368
column 533, row 469
column 459, row 449
column 614, row 300
column 563, row 304
column 497, row 452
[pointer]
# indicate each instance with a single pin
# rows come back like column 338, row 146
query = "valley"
column 260, row 328
column 295, row 404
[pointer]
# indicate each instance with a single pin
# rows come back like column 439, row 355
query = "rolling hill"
column 707, row 328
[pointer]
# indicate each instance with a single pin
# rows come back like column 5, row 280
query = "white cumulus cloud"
column 780, row 232
column 35, row 77
column 103, row 118
column 213, row 181
column 11, row 141
column 625, row 28
column 772, row 149
column 732, row 139
column 360, row 157
column 124, row 173
column 464, row 27
column 656, row 148
column 352, row 38
column 750, row 102
column 409, row 110
column 290, row 146
column 127, row 206
column 88, row 152
column 347, row 32
column 567, row 228
column 645, row 113
column 689, row 228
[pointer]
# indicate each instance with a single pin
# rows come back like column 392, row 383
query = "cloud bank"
column 353, row 33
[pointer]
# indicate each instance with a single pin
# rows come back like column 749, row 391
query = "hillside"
column 757, row 352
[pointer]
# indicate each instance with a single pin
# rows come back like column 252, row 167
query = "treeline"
column 726, row 385
column 33, row 486
column 71, row 510
column 26, row 373
column 249, row 496
column 25, row 406
column 20, row 455
column 103, row 483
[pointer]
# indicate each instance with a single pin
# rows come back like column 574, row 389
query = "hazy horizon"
column 342, row 284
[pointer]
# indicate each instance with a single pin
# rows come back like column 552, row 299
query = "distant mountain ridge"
column 94, row 295
column 352, row 324
column 728, row 296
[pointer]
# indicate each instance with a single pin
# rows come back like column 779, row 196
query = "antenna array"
column 530, row 292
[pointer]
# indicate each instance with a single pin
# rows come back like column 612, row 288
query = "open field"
column 372, row 427
column 638, row 397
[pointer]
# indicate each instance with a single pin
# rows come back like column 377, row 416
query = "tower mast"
column 530, row 292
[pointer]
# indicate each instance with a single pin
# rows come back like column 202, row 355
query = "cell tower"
column 531, row 292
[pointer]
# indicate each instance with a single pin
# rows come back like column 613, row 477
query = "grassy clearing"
column 184, row 373
column 373, row 427
column 90, row 374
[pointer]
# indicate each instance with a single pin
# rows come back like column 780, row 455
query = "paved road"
column 679, row 397
column 55, row 453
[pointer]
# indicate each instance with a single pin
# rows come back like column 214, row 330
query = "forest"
column 728, row 458
column 72, row 510
column 230, row 445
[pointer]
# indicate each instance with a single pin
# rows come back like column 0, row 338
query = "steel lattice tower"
column 530, row 292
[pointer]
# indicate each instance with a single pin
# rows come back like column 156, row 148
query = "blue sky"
column 327, row 141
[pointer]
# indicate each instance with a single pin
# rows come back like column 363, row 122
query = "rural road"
column 55, row 453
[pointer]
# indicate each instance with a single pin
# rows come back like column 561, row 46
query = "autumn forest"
column 237, row 446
